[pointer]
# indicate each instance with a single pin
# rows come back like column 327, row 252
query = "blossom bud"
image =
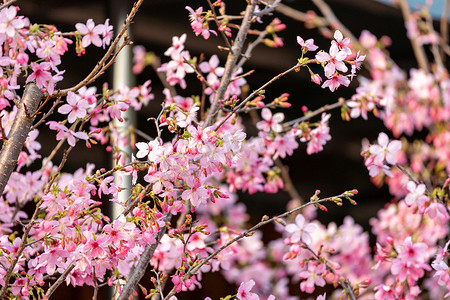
column 316, row 78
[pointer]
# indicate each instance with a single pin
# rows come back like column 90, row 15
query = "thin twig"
column 247, row 233
column 249, row 50
column 444, row 28
column 199, row 74
column 109, row 57
column 225, row 38
column 254, row 93
column 326, row 107
column 299, row 16
column 142, row 134
column 50, row 111
column 345, row 283
column 438, row 59
column 60, row 280
column 418, row 50
column 139, row 271
column 7, row 4
column 137, row 200
column 416, row 181
column 232, row 58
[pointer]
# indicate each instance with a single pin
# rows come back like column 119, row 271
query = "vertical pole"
column 122, row 75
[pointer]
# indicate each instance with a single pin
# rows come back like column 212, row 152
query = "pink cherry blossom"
column 106, row 33
column 64, row 132
column 301, row 230
column 416, row 194
column 212, row 68
column 75, row 107
column 335, row 81
column 385, row 150
column 9, row 23
column 41, row 74
column 308, row 44
column 244, row 291
column 313, row 277
column 334, row 60
column 91, row 33
column 341, row 43
column 270, row 122
column 177, row 45
column 197, row 194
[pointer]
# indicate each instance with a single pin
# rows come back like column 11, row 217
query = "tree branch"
column 60, row 280
column 248, row 232
column 444, row 28
column 232, row 59
column 419, row 52
column 139, row 271
column 12, row 147
column 109, row 56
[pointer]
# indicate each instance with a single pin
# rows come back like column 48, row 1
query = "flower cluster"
column 379, row 157
column 334, row 61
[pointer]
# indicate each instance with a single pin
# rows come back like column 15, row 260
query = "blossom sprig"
column 200, row 22
column 275, row 41
column 98, row 35
column 379, row 157
column 334, row 61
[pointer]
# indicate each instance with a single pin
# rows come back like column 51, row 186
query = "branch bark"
column 139, row 271
column 418, row 50
column 19, row 131
column 232, row 58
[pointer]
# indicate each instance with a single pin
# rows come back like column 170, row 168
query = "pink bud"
column 316, row 78
column 22, row 58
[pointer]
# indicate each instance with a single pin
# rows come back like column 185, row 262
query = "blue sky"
column 436, row 8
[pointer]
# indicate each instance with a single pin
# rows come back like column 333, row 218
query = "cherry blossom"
column 341, row 43
column 301, row 230
column 75, row 107
column 91, row 33
column 270, row 122
column 244, row 291
column 308, row 45
column 334, row 60
column 335, row 81
column 416, row 194
column 385, row 150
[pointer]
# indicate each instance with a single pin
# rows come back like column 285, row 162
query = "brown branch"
column 12, row 147
column 248, row 232
column 225, row 38
column 333, row 20
column 250, row 48
column 50, row 111
column 254, row 93
column 300, row 16
column 345, row 283
column 139, row 270
column 326, row 107
column 418, row 50
column 7, row 4
column 60, row 280
column 444, row 28
column 232, row 58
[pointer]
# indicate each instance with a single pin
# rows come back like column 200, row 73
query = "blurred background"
column 339, row 167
